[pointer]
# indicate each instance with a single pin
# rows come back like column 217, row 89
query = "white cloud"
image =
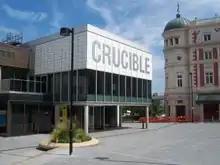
column 57, row 18
column 24, row 15
column 143, row 21
column 7, row 30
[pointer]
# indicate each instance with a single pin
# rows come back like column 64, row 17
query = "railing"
column 171, row 119
column 19, row 85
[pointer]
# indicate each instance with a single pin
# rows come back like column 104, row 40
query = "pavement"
column 162, row 144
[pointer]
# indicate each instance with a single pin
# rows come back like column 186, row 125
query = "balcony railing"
column 19, row 85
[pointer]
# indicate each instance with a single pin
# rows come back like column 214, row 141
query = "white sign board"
column 108, row 55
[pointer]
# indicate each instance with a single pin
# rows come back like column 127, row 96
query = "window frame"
column 179, row 80
column 208, row 55
column 207, row 37
column 209, row 78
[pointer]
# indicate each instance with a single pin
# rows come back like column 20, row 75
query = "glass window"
column 145, row 88
column 100, row 83
column 82, row 85
column 115, row 85
column 166, row 42
column 91, row 74
column 57, row 87
column 171, row 41
column 140, row 91
column 122, row 85
column 128, row 86
column 207, row 37
column 64, row 86
column 134, row 87
column 149, row 89
column 108, row 83
column 50, row 83
column 38, row 84
column 179, row 80
column 44, row 84
column 31, row 84
column 209, row 77
column 208, row 55
column 176, row 40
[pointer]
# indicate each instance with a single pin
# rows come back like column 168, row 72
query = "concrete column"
column 173, row 111
column 56, row 115
column 118, row 116
column 147, row 116
column 86, row 119
column 9, row 119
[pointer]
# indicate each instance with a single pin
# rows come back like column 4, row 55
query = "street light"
column 192, row 108
column 66, row 32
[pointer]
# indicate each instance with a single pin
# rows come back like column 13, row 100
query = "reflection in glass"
column 108, row 82
column 100, row 83
column 115, row 85
column 122, row 85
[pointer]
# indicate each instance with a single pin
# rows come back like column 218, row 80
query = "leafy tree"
column 156, row 108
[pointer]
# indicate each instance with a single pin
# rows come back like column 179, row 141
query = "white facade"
column 94, row 49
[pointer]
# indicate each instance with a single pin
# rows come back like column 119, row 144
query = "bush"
column 61, row 133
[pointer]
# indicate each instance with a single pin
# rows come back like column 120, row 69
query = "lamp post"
column 66, row 32
column 192, row 108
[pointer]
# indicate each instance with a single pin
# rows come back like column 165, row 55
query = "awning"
column 208, row 98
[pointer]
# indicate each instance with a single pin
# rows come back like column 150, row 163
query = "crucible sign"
column 120, row 58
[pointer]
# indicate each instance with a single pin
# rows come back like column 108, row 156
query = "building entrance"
column 211, row 112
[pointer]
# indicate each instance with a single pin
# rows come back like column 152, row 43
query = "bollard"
column 142, row 125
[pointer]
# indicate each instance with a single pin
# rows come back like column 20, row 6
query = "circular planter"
column 47, row 145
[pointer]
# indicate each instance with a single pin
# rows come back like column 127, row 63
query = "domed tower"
column 176, row 55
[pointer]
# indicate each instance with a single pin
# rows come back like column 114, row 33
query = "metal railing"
column 20, row 85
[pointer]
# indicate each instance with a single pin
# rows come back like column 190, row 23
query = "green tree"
column 156, row 108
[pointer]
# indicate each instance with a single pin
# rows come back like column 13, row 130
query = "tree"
column 156, row 108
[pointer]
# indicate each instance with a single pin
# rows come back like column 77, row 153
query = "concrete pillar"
column 173, row 111
column 86, row 119
column 118, row 116
column 9, row 119
column 147, row 116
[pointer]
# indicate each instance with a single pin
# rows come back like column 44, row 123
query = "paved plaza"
column 163, row 144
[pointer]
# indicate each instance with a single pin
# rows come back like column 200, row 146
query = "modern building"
column 192, row 59
column 109, row 73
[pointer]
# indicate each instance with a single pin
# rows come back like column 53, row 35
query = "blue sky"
column 139, row 20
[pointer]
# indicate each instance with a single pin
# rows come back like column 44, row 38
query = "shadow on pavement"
column 135, row 162
column 19, row 148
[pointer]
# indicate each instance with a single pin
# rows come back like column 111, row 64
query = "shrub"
column 61, row 133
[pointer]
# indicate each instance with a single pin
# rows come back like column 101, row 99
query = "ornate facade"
column 192, row 59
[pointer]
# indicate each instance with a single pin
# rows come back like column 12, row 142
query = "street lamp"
column 66, row 32
column 192, row 108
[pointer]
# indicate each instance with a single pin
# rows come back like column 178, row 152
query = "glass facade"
column 99, row 86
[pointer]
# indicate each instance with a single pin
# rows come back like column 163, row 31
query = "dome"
column 177, row 23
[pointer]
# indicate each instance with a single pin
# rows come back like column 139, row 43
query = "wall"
column 14, row 56
column 55, row 56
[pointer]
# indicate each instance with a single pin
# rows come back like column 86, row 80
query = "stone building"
column 192, row 53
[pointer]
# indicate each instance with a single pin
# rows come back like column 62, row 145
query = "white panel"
column 55, row 56
column 103, row 43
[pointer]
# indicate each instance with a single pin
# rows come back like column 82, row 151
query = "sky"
column 141, row 21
